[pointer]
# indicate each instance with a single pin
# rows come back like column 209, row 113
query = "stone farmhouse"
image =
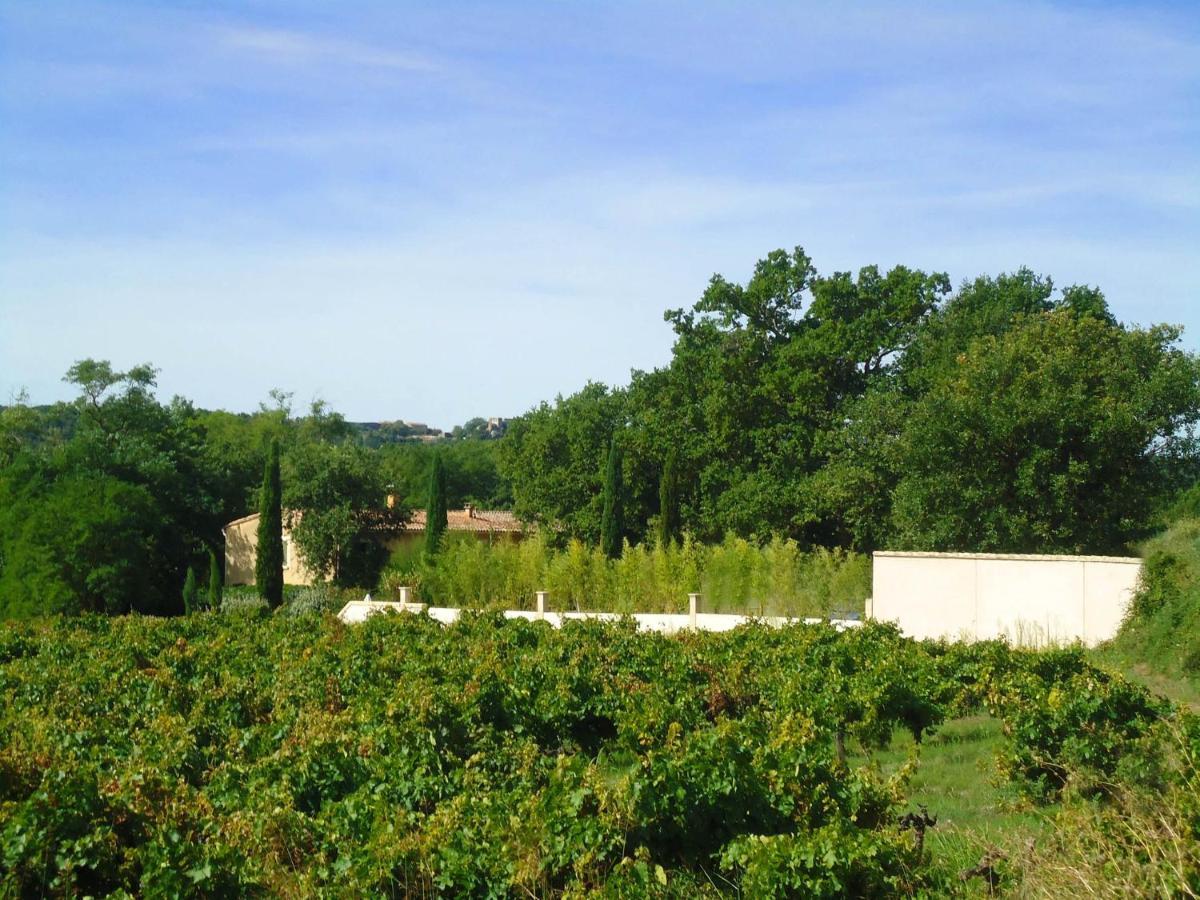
column 241, row 540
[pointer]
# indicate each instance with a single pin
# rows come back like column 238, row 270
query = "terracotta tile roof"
column 241, row 520
column 470, row 520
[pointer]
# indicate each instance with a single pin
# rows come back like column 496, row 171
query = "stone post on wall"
column 404, row 595
column 693, row 609
column 541, row 604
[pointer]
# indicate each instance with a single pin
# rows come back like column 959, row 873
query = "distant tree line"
column 847, row 410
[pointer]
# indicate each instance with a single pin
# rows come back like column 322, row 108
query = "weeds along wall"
column 777, row 578
column 1163, row 626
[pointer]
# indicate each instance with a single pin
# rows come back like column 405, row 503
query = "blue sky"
column 444, row 210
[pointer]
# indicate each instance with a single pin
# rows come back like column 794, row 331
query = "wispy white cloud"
column 300, row 48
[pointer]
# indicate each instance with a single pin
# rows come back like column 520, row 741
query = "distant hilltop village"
column 375, row 434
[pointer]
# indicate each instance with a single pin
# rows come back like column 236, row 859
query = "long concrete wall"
column 1029, row 599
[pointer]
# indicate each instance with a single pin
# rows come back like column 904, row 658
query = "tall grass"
column 736, row 575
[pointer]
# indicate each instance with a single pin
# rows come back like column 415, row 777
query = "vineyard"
column 241, row 754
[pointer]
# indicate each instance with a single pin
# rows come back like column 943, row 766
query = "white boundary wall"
column 1029, row 599
column 668, row 623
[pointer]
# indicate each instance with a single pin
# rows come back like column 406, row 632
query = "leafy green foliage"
column 1066, row 722
column 734, row 576
column 554, row 457
column 612, row 518
column 882, row 409
column 1086, row 724
column 1042, row 439
column 668, row 501
column 1162, row 627
column 335, row 503
column 75, row 544
column 106, row 501
column 292, row 755
column 472, row 473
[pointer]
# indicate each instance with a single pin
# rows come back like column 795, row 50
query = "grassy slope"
column 955, row 782
column 1159, row 648
column 1160, row 643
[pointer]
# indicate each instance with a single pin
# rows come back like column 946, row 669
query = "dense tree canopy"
column 1046, row 438
column 109, row 517
column 882, row 409
column 107, row 501
column 858, row 410
column 554, row 457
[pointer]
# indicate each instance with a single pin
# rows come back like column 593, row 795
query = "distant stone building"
column 241, row 552
column 241, row 540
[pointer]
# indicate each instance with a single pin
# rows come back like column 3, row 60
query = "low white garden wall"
column 668, row 623
column 1032, row 600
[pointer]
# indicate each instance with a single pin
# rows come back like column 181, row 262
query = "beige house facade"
column 241, row 552
column 241, row 541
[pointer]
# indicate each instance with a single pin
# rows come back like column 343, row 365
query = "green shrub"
column 829, row 862
column 1065, row 719
column 312, row 600
column 1143, row 842
column 243, row 603
column 736, row 576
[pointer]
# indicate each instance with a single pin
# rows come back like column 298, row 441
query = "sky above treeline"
column 437, row 211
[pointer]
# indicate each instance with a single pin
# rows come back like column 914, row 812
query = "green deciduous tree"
column 435, row 508
column 115, row 441
column 760, row 377
column 19, row 425
column 336, row 514
column 472, row 475
column 268, row 563
column 612, row 522
column 72, row 543
column 554, row 458
column 1052, row 436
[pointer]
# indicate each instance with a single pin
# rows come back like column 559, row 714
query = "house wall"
column 1029, row 599
column 241, row 548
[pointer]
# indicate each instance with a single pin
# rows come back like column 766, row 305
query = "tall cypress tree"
column 268, row 565
column 435, row 509
column 191, row 595
column 215, row 580
column 668, row 502
column 612, row 524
